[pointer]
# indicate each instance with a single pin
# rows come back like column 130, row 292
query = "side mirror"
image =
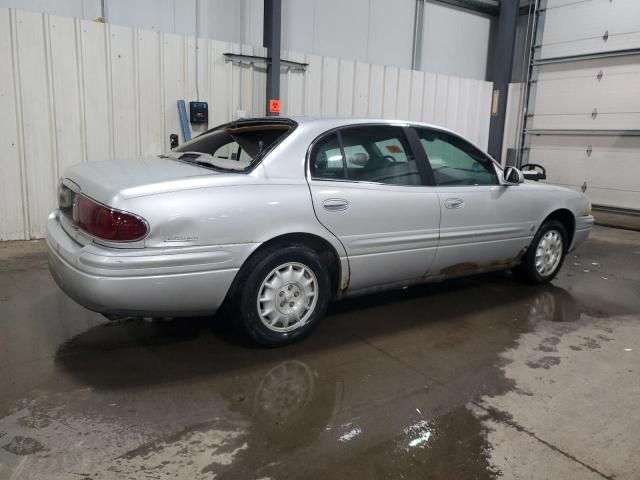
column 174, row 140
column 512, row 176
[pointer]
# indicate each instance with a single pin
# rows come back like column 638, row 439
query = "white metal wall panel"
column 429, row 97
column 13, row 206
column 404, row 93
column 96, row 97
column 313, row 86
column 292, row 87
column 579, row 27
column 390, row 92
column 361, row 90
column 345, row 88
column 66, row 101
column 124, row 104
column 220, row 86
column 608, row 166
column 259, row 82
column 416, row 96
column 38, row 145
column 150, row 92
column 376, row 90
column 173, row 87
column 330, row 79
column 74, row 91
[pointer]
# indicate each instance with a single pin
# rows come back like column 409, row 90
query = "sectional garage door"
column 583, row 121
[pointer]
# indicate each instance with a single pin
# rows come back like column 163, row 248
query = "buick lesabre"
column 276, row 217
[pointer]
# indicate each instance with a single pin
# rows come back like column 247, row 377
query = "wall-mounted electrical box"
column 198, row 112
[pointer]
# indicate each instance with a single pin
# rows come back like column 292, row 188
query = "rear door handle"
column 454, row 203
column 335, row 204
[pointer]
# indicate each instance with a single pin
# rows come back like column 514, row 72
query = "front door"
column 371, row 193
column 484, row 224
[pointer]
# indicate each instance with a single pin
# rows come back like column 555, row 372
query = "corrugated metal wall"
column 73, row 91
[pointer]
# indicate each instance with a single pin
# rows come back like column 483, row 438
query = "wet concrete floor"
column 471, row 379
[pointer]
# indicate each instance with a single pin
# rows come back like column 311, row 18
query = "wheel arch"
column 568, row 220
column 320, row 245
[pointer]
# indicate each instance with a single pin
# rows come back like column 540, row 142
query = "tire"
column 546, row 239
column 296, row 278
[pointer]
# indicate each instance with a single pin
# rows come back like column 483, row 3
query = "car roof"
column 333, row 122
column 328, row 123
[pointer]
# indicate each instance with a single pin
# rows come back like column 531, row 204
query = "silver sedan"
column 275, row 217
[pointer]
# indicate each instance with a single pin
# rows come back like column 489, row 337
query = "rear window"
column 236, row 146
column 371, row 153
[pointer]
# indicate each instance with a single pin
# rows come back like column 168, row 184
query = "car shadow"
column 481, row 316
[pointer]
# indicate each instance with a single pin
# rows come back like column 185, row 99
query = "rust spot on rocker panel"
column 465, row 268
column 504, row 262
column 508, row 262
column 460, row 268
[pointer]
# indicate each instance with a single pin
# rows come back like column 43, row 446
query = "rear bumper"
column 584, row 224
column 143, row 282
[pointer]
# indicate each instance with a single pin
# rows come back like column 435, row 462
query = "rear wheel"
column 544, row 258
column 281, row 294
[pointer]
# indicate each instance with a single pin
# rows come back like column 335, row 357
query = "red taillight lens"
column 107, row 223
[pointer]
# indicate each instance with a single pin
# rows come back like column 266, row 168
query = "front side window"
column 454, row 161
column 376, row 153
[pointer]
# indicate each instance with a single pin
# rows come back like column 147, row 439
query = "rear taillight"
column 107, row 223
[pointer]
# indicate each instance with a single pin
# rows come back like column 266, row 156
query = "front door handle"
column 454, row 203
column 335, row 204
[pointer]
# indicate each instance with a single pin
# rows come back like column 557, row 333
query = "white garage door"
column 607, row 168
column 584, row 109
column 576, row 27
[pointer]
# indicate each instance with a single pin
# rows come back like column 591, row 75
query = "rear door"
column 369, row 190
column 484, row 224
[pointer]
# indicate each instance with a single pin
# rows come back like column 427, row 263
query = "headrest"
column 359, row 159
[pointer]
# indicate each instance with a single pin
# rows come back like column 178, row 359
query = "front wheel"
column 544, row 258
column 283, row 293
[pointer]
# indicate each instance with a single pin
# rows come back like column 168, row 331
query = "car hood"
column 110, row 181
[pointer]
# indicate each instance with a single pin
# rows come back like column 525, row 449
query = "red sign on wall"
column 274, row 105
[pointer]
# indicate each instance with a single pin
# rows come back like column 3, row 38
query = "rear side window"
column 376, row 153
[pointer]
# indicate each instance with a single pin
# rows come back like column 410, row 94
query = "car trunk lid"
column 108, row 182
